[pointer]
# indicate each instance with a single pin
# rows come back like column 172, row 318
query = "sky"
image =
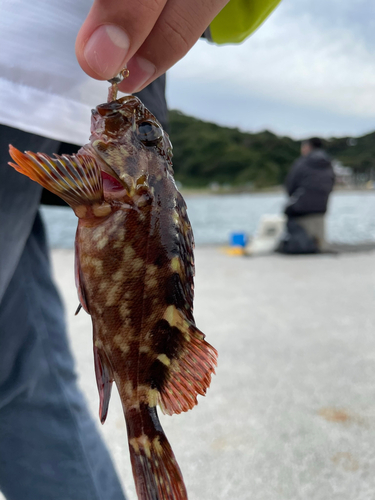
column 308, row 70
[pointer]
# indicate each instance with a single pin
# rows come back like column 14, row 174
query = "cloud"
column 318, row 58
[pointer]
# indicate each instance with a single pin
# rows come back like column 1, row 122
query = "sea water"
column 350, row 217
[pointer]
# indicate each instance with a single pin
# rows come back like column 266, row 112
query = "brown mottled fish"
column 134, row 274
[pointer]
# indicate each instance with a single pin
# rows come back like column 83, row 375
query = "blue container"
column 238, row 239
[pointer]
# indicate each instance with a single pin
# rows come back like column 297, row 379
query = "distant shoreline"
column 270, row 190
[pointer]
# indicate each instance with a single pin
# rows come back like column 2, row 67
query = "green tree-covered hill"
column 205, row 152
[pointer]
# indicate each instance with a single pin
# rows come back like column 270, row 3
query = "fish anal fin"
column 188, row 363
column 104, row 380
column 74, row 178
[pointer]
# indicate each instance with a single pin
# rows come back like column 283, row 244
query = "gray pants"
column 50, row 448
column 314, row 225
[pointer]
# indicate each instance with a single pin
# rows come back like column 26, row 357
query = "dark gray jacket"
column 309, row 183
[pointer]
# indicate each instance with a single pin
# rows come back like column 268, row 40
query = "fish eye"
column 149, row 133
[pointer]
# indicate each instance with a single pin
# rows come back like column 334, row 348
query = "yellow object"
column 239, row 18
column 235, row 250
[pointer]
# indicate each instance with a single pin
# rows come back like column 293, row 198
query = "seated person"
column 309, row 184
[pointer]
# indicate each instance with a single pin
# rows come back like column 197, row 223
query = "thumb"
column 112, row 33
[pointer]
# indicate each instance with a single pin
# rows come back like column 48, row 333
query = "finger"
column 176, row 30
column 112, row 32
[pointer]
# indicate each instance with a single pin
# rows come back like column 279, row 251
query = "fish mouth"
column 114, row 189
column 110, row 183
column 111, row 118
column 130, row 193
column 126, row 105
column 125, row 190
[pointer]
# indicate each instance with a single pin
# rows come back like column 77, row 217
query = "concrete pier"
column 290, row 414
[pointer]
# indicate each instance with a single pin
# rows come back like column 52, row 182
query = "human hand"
column 149, row 36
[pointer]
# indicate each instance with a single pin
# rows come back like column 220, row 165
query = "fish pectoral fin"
column 74, row 178
column 104, row 380
column 188, row 370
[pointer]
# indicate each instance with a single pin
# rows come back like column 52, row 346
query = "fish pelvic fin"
column 104, row 380
column 156, row 473
column 185, row 367
column 74, row 178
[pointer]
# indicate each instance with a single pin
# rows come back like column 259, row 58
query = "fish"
column 134, row 270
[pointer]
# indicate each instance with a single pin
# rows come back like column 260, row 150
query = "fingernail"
column 106, row 50
column 140, row 71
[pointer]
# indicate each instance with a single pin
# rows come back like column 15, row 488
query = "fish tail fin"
column 74, row 178
column 156, row 473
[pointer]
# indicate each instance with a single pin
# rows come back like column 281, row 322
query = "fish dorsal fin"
column 76, row 178
column 185, row 369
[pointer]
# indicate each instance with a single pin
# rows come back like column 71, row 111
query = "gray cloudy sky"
column 309, row 70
